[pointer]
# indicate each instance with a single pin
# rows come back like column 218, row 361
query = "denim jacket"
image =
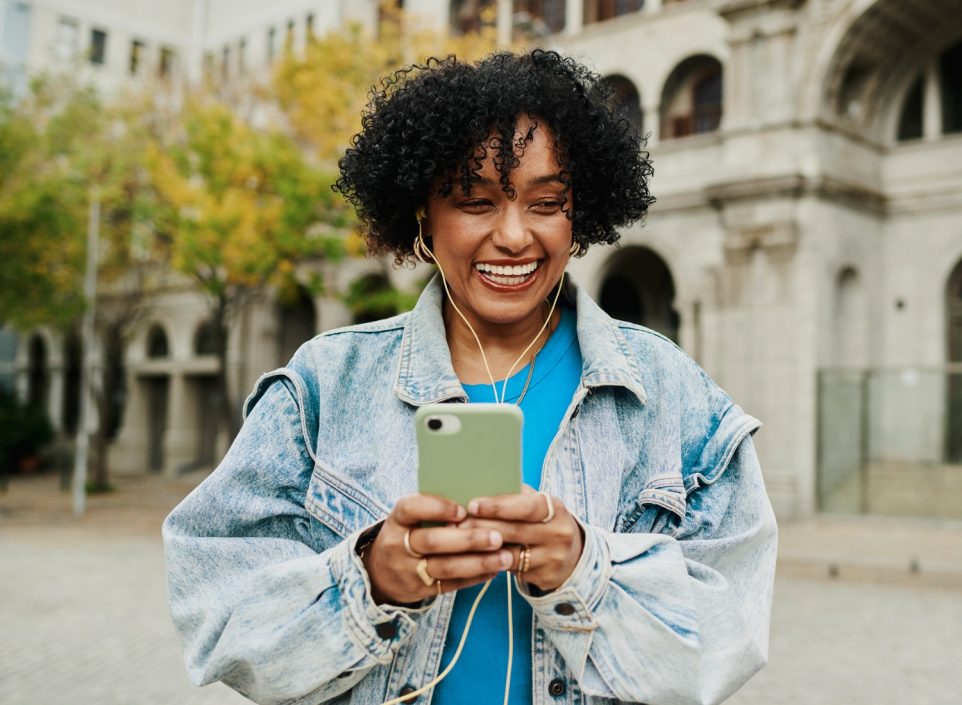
column 669, row 603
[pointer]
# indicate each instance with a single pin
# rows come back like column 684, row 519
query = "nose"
column 511, row 233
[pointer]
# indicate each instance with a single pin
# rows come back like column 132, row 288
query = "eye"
column 547, row 205
column 476, row 205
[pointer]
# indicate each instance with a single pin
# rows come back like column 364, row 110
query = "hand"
column 554, row 547
column 456, row 556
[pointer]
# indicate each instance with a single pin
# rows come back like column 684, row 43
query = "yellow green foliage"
column 323, row 90
column 240, row 206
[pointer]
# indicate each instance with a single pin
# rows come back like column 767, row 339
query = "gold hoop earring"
column 575, row 249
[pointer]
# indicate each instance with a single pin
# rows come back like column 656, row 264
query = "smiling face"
column 502, row 254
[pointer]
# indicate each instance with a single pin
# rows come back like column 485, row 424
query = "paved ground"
column 84, row 621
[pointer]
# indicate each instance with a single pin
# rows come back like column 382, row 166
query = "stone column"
column 758, row 79
column 180, row 437
column 574, row 16
column 505, row 23
column 128, row 454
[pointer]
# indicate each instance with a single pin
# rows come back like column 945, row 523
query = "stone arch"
column 628, row 100
column 873, row 54
column 849, row 320
column 297, row 317
column 637, row 286
column 372, row 297
column 157, row 343
column 692, row 97
column 205, row 338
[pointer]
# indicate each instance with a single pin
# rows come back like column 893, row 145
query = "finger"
column 514, row 507
column 415, row 508
column 512, row 532
column 469, row 566
column 453, row 540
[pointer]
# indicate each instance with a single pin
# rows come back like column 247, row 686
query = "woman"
column 642, row 570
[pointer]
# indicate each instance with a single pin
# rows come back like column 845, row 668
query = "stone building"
column 805, row 248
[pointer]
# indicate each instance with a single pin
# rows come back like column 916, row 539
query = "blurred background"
column 168, row 233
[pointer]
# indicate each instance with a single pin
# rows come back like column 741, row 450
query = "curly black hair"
column 438, row 121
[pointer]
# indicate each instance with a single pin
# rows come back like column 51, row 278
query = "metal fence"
column 890, row 441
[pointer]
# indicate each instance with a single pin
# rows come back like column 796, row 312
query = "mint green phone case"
column 481, row 458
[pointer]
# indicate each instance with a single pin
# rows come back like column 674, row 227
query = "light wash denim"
column 669, row 603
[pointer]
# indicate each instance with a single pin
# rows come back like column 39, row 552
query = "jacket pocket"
column 339, row 505
column 659, row 508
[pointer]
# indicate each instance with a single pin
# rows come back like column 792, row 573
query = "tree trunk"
column 219, row 324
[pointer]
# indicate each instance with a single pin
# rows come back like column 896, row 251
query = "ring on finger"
column 407, row 546
column 423, row 574
column 550, row 515
column 524, row 559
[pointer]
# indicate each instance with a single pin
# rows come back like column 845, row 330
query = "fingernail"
column 506, row 559
column 494, row 539
column 460, row 514
column 473, row 506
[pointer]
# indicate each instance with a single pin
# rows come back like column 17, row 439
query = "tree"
column 241, row 207
column 60, row 147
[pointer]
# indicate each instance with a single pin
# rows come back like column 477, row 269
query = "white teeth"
column 519, row 270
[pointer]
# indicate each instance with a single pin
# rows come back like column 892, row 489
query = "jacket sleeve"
column 672, row 620
column 266, row 598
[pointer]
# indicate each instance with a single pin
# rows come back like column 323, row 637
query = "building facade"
column 805, row 247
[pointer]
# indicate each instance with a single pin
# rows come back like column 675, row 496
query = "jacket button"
column 556, row 687
column 386, row 630
column 407, row 690
column 564, row 608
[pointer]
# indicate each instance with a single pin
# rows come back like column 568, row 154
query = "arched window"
column 540, row 17
column 157, row 342
column 950, row 89
column 910, row 119
column 205, row 339
column 849, row 320
column 692, row 99
column 371, row 298
column 600, row 10
column 628, row 101
column 638, row 288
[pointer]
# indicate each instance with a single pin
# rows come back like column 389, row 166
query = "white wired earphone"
column 424, row 253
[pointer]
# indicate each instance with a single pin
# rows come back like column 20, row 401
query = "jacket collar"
column 427, row 376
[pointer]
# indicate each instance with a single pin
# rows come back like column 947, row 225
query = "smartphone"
column 469, row 450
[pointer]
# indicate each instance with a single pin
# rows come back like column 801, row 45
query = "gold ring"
column 524, row 560
column 550, row 514
column 407, row 546
column 422, row 571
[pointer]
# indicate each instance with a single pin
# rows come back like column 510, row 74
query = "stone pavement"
column 866, row 610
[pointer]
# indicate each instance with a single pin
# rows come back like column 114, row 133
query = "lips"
column 507, row 275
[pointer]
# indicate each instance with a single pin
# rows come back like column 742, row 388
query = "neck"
column 503, row 343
